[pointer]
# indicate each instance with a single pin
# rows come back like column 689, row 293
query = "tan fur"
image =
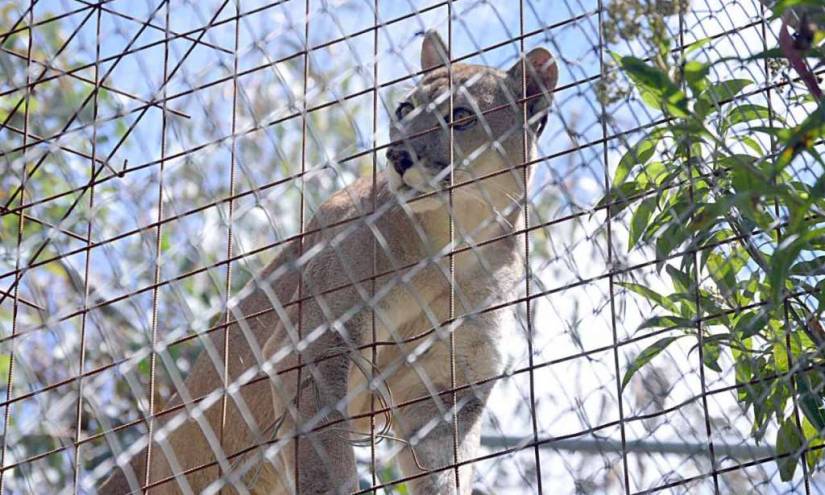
column 402, row 249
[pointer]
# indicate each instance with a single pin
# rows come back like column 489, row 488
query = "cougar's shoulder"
column 354, row 226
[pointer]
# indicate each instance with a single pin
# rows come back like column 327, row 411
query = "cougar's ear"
column 434, row 52
column 540, row 73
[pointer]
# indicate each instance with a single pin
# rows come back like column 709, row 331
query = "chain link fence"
column 182, row 286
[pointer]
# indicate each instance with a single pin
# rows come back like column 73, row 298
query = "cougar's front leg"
column 429, row 434
column 428, row 425
column 326, row 461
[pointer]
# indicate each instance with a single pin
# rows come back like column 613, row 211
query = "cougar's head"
column 487, row 115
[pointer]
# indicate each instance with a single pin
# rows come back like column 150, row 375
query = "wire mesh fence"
column 404, row 247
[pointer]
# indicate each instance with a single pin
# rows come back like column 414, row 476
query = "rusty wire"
column 136, row 369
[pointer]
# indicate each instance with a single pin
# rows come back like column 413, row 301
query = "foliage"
column 731, row 194
column 642, row 21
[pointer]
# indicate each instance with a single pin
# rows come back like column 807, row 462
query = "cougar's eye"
column 463, row 118
column 403, row 109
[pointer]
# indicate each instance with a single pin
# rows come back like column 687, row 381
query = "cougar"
column 384, row 305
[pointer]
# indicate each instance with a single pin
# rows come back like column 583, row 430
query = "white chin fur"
column 394, row 180
column 414, row 179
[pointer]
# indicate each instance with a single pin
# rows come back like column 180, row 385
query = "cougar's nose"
column 401, row 160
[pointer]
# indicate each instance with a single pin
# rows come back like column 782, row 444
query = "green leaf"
column 696, row 75
column 707, row 213
column 640, row 220
column 751, row 323
column 737, row 160
column 680, row 279
column 782, row 5
column 144, row 367
column 780, row 263
column 645, row 356
column 724, row 269
column 746, row 113
column 711, row 351
column 761, row 411
column 670, row 321
column 810, row 403
column 752, row 144
column 655, row 87
column 5, row 365
column 803, row 137
column 769, row 53
column 165, row 243
column 781, row 363
column 638, row 154
column 653, row 174
column 718, row 94
column 725, row 90
column 814, row 440
column 781, row 133
column 788, row 441
column 620, row 197
column 672, row 237
column 649, row 294
column 696, row 45
column 782, row 259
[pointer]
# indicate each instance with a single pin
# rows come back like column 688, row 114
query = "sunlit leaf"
column 696, row 75
column 781, row 6
column 697, row 45
column 815, row 442
column 5, row 365
column 655, row 87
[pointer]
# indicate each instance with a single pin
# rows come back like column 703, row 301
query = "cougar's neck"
column 470, row 226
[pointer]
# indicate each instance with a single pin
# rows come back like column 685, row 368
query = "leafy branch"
column 738, row 226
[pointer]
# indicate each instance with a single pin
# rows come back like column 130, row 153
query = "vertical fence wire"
column 15, row 288
column 153, row 335
column 371, row 388
column 87, row 262
column 610, row 260
column 230, row 218
column 302, row 216
column 450, row 327
column 696, row 280
column 527, row 71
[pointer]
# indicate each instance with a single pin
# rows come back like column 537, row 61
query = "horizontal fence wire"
column 211, row 279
